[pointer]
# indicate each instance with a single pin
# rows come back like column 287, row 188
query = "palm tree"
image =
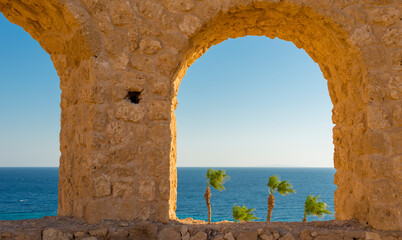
column 215, row 178
column 243, row 213
column 313, row 206
column 274, row 184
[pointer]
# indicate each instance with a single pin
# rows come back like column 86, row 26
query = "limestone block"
column 276, row 235
column 385, row 16
column 142, row 63
column 185, row 235
column 396, row 122
column 115, row 131
column 169, row 233
column 305, row 235
column 22, row 237
column 158, row 132
column 144, row 230
column 372, row 236
column 199, row 236
column 179, row 5
column 395, row 88
column 150, row 9
column 121, row 62
column 189, row 24
column 160, row 87
column 147, row 189
column 392, row 37
column 150, row 46
column 134, row 81
column 229, row 236
column 363, row 36
column 52, row 233
column 89, row 238
column 99, row 233
column 167, row 62
column 247, row 236
column 159, row 110
column 377, row 118
column 266, row 237
column 101, row 186
column 121, row 12
column 79, row 234
column 288, row 236
column 119, row 234
column 130, row 112
column 219, row 237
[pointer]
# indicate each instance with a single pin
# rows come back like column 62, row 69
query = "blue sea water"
column 27, row 193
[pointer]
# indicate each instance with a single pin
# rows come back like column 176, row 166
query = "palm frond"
column 313, row 206
column 243, row 213
column 273, row 183
column 216, row 178
column 285, row 188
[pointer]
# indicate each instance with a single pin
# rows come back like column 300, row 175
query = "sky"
column 247, row 102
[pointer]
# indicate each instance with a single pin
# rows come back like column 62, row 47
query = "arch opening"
column 71, row 42
column 29, row 126
column 328, row 45
column 255, row 104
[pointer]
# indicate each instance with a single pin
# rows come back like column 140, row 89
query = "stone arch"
column 63, row 30
column 119, row 156
column 330, row 40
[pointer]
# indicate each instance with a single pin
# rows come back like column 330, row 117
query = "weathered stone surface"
column 305, row 235
column 372, row 236
column 99, row 233
column 229, row 236
column 52, row 233
column 79, row 234
column 218, row 238
column 119, row 233
column 89, row 238
column 150, row 46
column 266, row 237
column 7, row 235
column 247, row 236
column 169, row 233
column 103, row 49
column 289, row 236
column 185, row 235
column 146, row 230
column 199, row 236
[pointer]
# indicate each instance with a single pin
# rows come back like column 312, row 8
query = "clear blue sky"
column 250, row 101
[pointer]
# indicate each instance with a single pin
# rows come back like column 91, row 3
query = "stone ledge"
column 188, row 229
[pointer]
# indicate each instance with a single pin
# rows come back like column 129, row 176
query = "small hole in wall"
column 134, row 97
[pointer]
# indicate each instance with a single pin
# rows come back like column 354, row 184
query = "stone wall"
column 51, row 228
column 118, row 156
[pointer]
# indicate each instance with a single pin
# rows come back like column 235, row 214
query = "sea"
column 30, row 193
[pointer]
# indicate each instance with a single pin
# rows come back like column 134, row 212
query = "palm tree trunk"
column 271, row 204
column 207, row 197
column 305, row 217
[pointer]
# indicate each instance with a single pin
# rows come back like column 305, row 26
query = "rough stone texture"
column 118, row 159
column 69, row 228
column 199, row 236
column 289, row 236
column 51, row 233
column 247, row 236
